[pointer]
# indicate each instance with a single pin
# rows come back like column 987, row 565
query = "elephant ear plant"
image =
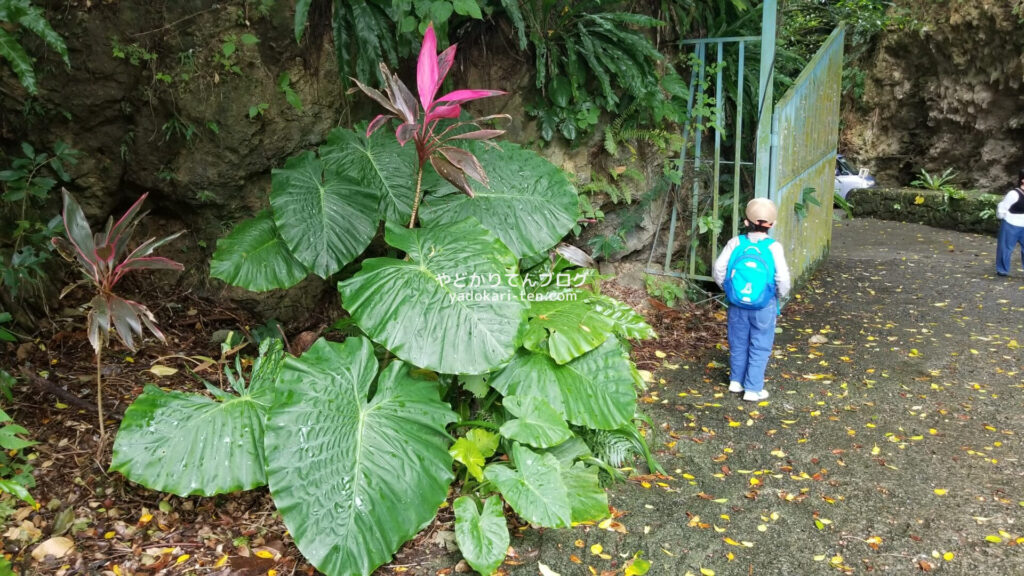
column 105, row 258
column 483, row 355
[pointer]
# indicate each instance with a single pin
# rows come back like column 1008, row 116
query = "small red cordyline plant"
column 104, row 258
column 419, row 124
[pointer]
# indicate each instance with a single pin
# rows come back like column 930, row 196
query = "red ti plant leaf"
column 451, row 173
column 105, row 259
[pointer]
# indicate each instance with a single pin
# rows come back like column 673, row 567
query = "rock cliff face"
column 945, row 94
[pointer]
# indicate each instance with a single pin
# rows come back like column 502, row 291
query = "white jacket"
column 1003, row 209
column 782, row 279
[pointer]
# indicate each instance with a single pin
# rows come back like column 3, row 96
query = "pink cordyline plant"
column 419, row 124
column 104, row 258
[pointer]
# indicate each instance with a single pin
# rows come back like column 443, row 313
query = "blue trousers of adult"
column 1009, row 237
column 751, row 336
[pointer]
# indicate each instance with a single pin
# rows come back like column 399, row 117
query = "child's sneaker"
column 735, row 386
column 751, row 396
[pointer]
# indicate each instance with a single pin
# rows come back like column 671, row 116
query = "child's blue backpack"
column 750, row 277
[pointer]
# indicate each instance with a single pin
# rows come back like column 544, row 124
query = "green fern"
column 33, row 19
column 579, row 50
column 612, row 446
column 620, row 447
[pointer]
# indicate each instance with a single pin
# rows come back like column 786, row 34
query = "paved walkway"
column 891, row 442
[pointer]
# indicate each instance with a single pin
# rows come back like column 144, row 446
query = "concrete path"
column 891, row 443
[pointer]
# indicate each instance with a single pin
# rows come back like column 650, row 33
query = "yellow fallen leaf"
column 707, row 572
column 264, row 554
column 660, row 354
column 221, row 561
column 145, row 518
column 778, row 453
column 161, row 370
column 914, row 353
column 940, row 491
column 273, row 572
column 993, row 538
column 730, row 541
column 109, row 535
column 596, row 549
column 948, row 556
column 1013, row 344
column 182, row 559
column 918, row 199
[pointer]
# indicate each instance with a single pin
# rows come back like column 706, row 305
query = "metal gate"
column 796, row 148
column 805, row 129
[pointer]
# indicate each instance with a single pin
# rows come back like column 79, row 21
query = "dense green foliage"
column 467, row 320
column 23, row 15
column 27, row 182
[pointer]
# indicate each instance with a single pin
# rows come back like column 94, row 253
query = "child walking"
column 753, row 272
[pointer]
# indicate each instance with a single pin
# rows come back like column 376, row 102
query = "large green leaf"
column 325, row 218
column 473, row 450
column 587, row 499
column 254, row 257
column 566, row 326
column 595, row 390
column 482, row 537
column 449, row 306
column 534, row 488
column 536, row 423
column 355, row 476
column 529, row 204
column 190, row 444
column 628, row 322
column 378, row 162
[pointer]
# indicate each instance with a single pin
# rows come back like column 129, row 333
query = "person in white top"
column 1011, row 230
column 751, row 329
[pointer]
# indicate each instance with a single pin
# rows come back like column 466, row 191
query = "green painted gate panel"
column 805, row 130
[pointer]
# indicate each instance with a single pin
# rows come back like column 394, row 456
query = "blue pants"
column 751, row 336
column 1009, row 237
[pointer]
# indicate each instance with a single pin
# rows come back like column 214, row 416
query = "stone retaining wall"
column 974, row 213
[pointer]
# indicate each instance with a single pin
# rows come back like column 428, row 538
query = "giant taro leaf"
column 378, row 162
column 191, row 444
column 253, row 256
column 587, row 499
column 482, row 537
column 627, row 322
column 449, row 307
column 355, row 476
column 566, row 325
column 595, row 390
column 536, row 423
column 534, row 488
column 325, row 218
column 529, row 203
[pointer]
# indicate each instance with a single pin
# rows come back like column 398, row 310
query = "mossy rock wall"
column 974, row 213
column 944, row 93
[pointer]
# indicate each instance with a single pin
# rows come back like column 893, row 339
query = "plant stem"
column 477, row 424
column 416, row 200
column 99, row 388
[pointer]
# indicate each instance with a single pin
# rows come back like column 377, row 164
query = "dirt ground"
column 890, row 444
